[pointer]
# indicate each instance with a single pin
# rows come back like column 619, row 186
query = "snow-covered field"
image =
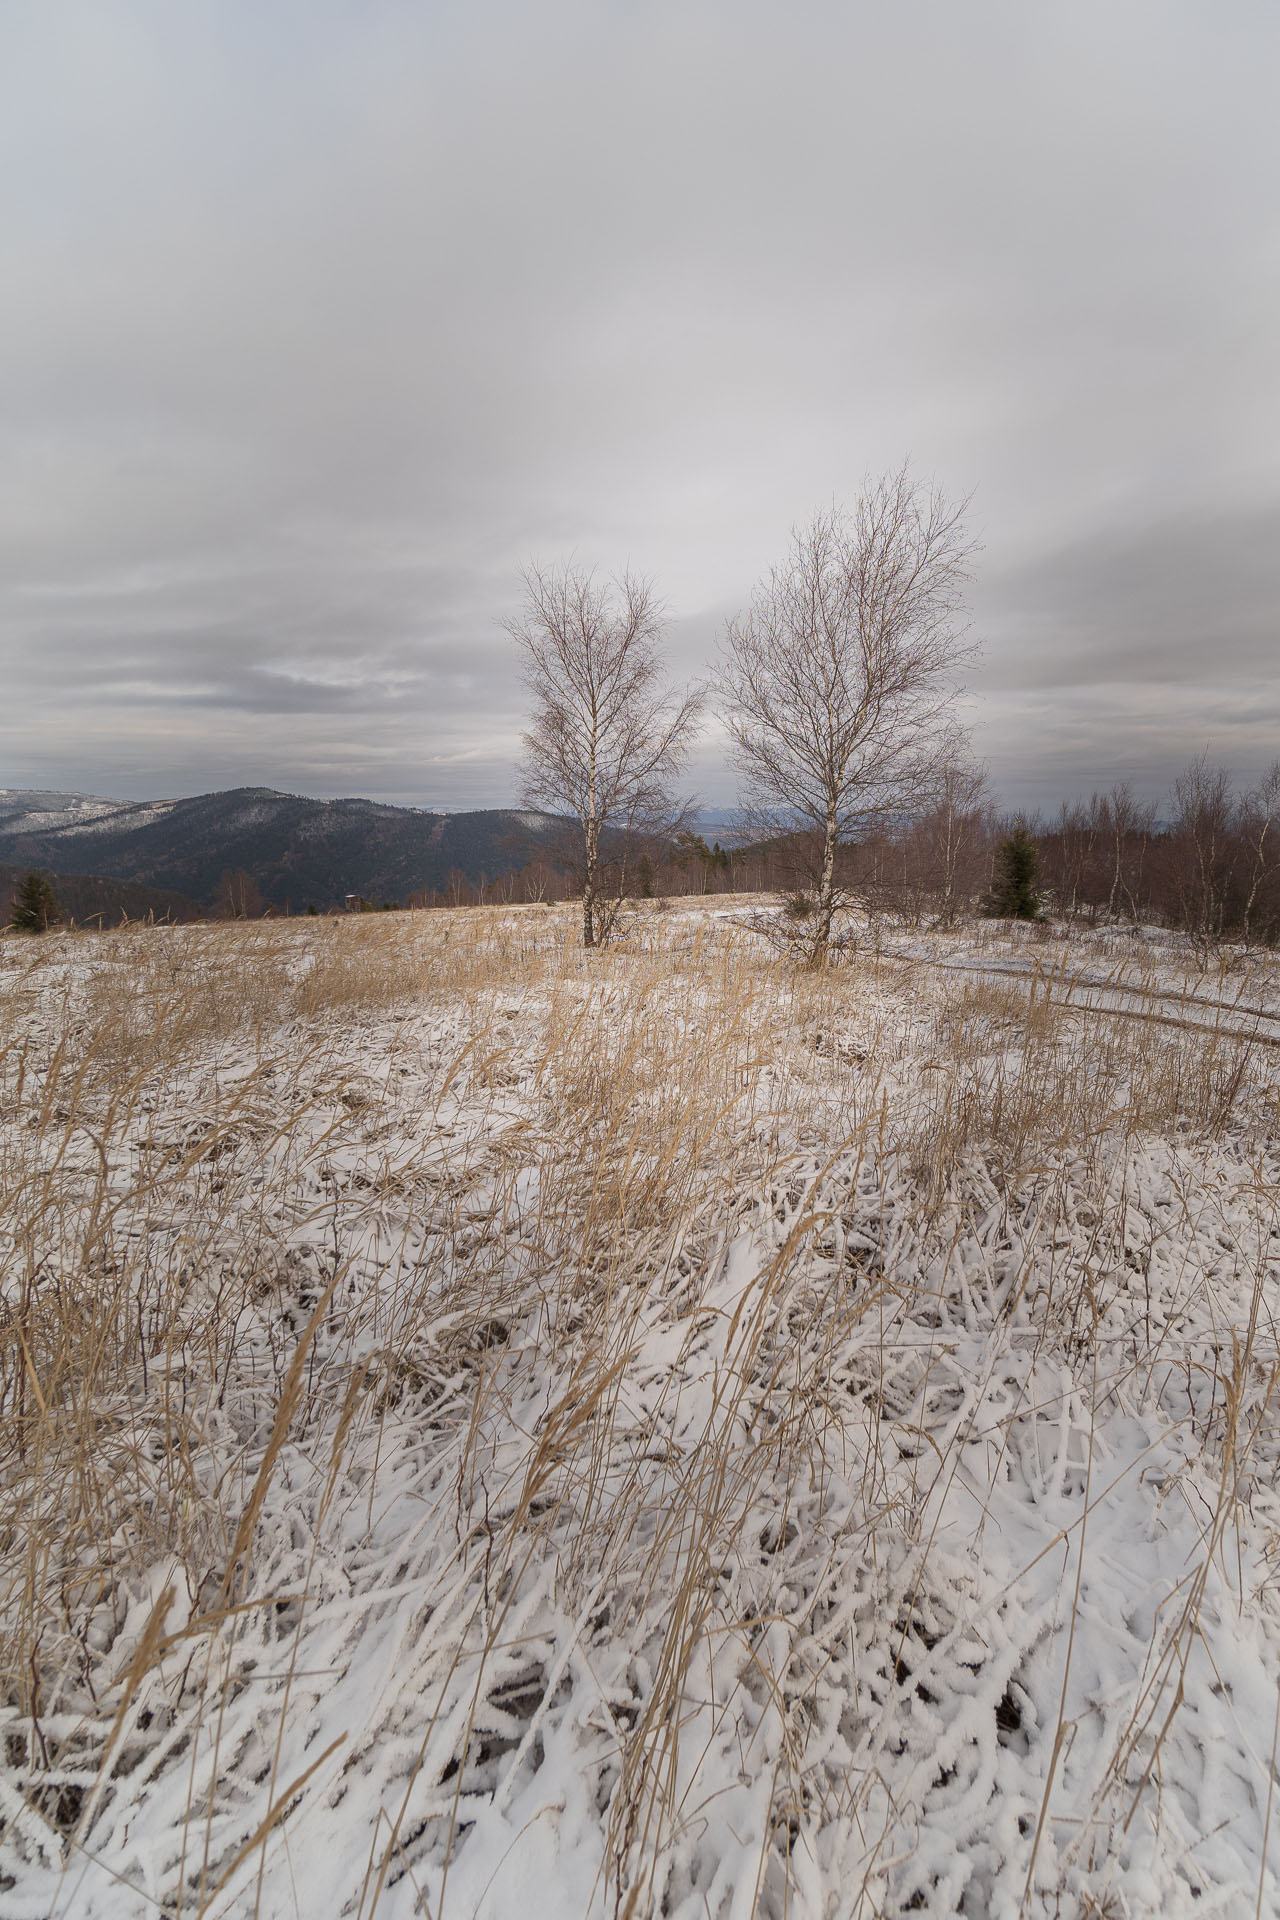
column 491, row 1430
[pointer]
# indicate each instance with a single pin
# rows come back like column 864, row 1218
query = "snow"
column 71, row 814
column 760, row 1493
column 23, row 810
column 129, row 817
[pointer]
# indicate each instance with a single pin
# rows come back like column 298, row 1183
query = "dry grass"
column 304, row 1221
column 1012, row 1080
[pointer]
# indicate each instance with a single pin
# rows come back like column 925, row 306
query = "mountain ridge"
column 297, row 851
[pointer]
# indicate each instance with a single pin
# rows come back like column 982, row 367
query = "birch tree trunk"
column 826, row 895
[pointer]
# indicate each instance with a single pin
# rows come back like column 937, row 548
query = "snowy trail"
column 1084, row 991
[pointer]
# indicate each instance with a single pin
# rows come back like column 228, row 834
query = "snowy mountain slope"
column 31, row 810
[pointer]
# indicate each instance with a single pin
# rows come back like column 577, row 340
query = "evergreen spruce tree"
column 34, row 907
column 1014, row 893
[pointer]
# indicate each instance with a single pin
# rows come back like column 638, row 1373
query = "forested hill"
column 298, row 852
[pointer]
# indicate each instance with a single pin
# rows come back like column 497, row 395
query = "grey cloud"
column 322, row 319
column 1126, row 652
column 1179, row 600
column 1047, row 751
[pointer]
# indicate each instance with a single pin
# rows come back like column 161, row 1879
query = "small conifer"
column 35, row 908
column 1014, row 893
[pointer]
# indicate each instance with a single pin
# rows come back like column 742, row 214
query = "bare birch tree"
column 838, row 679
column 608, row 733
column 1259, row 821
column 1129, row 823
column 1204, row 850
column 956, row 830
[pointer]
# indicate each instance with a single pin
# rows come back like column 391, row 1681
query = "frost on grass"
column 491, row 1430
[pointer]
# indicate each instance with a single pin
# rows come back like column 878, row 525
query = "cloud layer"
column 322, row 319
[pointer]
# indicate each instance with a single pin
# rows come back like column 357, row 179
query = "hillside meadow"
column 488, row 1429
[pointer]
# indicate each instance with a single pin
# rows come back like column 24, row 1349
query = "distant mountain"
column 297, row 851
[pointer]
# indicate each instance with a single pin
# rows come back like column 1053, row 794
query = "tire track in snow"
column 1060, row 989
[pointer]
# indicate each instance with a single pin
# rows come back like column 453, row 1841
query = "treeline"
column 937, row 865
column 1208, row 863
column 88, row 900
column 1211, row 868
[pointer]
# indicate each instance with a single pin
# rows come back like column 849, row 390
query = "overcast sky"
column 320, row 317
